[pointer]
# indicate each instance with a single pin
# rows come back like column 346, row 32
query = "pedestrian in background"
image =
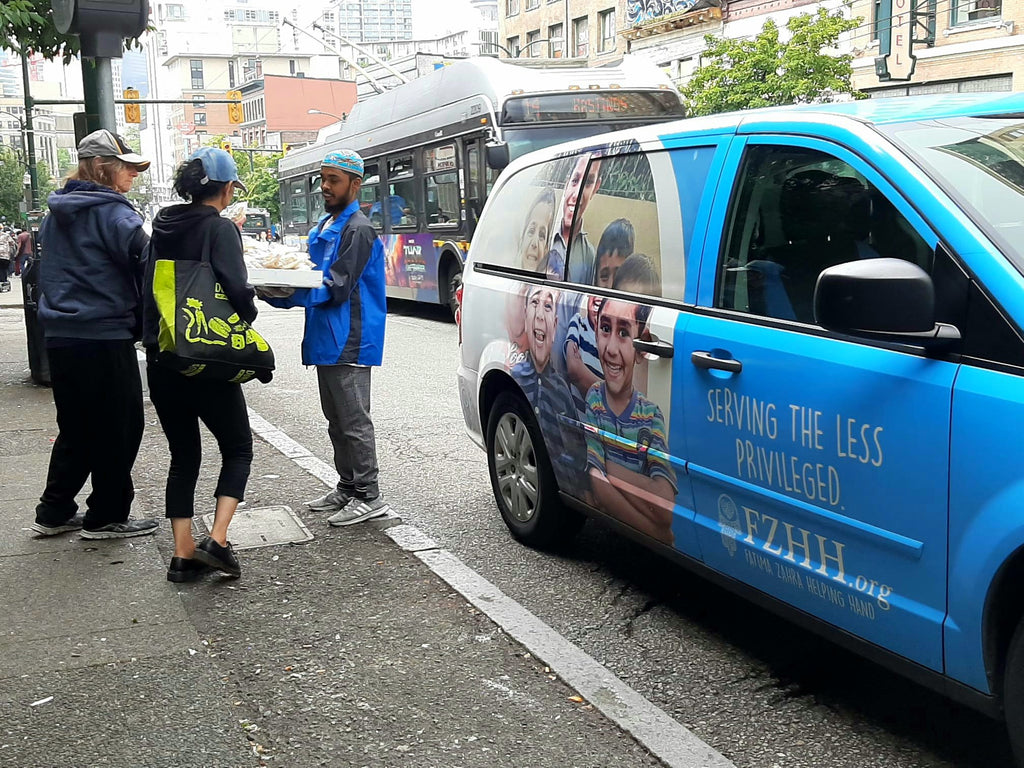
column 90, row 311
column 24, row 251
column 8, row 249
column 344, row 336
column 207, row 180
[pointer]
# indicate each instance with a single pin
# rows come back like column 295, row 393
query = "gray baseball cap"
column 103, row 143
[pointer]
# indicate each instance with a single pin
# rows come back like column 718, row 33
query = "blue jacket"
column 90, row 274
column 344, row 316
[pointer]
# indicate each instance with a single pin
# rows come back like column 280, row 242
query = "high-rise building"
column 368, row 21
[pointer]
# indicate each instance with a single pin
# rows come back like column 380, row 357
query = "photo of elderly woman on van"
column 533, row 245
column 627, row 452
column 581, row 361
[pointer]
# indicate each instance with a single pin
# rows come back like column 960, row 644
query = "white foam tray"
column 286, row 278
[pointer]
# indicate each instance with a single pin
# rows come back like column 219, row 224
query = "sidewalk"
column 344, row 651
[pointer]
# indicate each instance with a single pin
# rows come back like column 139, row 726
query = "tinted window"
column 796, row 212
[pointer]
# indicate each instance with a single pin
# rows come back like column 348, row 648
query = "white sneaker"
column 358, row 510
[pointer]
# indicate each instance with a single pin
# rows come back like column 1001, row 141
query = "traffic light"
column 132, row 112
column 226, row 146
column 285, row 148
column 235, row 108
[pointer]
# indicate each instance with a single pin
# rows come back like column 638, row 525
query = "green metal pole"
column 90, row 86
column 29, row 133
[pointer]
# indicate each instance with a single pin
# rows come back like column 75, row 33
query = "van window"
column 523, row 220
column 797, row 211
column 617, row 223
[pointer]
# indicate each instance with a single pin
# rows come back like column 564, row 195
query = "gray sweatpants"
column 345, row 400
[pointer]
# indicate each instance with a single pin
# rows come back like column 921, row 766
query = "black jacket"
column 179, row 232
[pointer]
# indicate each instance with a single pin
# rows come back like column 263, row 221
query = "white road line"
column 655, row 729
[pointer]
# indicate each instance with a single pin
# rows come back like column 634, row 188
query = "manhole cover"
column 264, row 527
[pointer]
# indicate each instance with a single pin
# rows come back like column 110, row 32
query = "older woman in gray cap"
column 90, row 309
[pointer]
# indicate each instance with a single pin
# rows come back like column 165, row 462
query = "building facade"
column 585, row 30
column 277, row 109
column 370, row 20
column 969, row 45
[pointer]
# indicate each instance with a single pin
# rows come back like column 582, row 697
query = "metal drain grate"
column 264, row 527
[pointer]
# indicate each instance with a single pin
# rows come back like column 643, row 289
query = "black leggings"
column 181, row 403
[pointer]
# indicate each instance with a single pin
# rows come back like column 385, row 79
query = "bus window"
column 297, row 213
column 369, row 196
column 403, row 193
column 316, row 199
column 444, row 203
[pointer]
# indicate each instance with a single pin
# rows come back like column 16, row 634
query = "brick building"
column 276, row 109
column 586, row 30
column 976, row 45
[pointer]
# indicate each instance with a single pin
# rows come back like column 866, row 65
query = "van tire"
column 523, row 482
column 1013, row 692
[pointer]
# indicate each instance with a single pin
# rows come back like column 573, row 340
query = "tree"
column 766, row 72
column 64, row 164
column 12, row 188
column 261, row 182
column 45, row 182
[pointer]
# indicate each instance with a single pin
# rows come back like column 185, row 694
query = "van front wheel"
column 521, row 477
column 1013, row 692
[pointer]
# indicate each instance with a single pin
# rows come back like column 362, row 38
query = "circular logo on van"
column 728, row 523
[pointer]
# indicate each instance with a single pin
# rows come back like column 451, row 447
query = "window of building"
column 532, row 4
column 556, row 41
column 511, row 7
column 533, row 46
column 175, row 11
column 196, row 67
column 606, row 20
column 581, row 37
column 199, row 118
column 199, row 102
column 512, row 44
column 967, row 11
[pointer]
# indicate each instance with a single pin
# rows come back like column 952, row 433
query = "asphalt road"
column 759, row 690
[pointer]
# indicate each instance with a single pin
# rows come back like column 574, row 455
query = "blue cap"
column 345, row 160
column 218, row 165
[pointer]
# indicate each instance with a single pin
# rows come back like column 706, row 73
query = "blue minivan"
column 785, row 347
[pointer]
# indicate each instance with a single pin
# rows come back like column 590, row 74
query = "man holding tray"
column 344, row 335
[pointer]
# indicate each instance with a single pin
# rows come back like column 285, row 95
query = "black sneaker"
column 47, row 529
column 185, row 569
column 125, row 530
column 214, row 555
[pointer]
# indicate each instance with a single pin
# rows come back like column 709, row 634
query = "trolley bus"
column 434, row 146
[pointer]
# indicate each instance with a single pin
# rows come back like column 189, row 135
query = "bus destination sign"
column 590, row 105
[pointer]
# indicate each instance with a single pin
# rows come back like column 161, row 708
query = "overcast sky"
column 433, row 18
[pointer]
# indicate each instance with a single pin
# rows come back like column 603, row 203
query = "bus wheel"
column 1013, row 692
column 452, row 280
column 521, row 477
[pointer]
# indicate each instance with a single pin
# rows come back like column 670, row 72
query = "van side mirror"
column 497, row 154
column 886, row 299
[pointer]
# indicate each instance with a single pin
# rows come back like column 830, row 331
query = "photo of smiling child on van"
column 631, row 477
column 639, row 275
column 546, row 390
column 534, row 241
column 581, row 361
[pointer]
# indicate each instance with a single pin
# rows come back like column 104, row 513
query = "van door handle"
column 707, row 360
column 659, row 348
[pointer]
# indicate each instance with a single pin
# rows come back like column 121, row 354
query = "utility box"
column 102, row 25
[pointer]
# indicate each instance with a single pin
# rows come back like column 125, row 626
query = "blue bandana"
column 345, row 160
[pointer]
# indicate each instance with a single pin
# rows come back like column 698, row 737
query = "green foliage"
column 27, row 25
column 261, row 181
column 45, row 183
column 765, row 72
column 12, row 190
column 64, row 163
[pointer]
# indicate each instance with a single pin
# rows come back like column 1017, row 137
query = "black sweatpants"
column 181, row 403
column 98, row 393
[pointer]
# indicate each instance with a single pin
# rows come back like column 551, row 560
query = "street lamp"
column 328, row 114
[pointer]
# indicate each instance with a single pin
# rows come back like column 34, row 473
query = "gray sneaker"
column 126, row 530
column 358, row 510
column 46, row 529
column 332, row 502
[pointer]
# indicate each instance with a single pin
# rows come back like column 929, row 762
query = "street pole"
column 105, row 94
column 30, row 135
